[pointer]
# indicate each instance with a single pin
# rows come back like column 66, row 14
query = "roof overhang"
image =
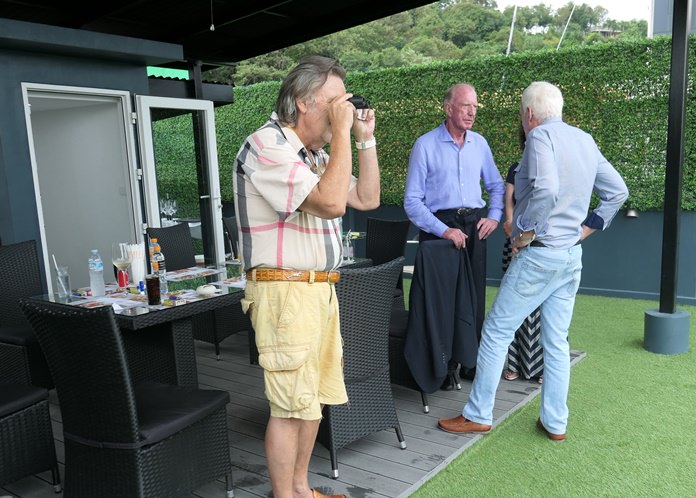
column 242, row 28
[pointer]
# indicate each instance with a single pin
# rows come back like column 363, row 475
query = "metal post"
column 666, row 330
column 675, row 154
column 512, row 29
column 566, row 27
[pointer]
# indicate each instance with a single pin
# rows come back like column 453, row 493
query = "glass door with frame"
column 180, row 170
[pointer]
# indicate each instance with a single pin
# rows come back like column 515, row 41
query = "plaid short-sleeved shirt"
column 273, row 174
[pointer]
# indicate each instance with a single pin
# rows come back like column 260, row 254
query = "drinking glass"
column 62, row 282
column 121, row 258
column 348, row 248
column 172, row 208
column 152, row 283
column 163, row 208
column 234, row 270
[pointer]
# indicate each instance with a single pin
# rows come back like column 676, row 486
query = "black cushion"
column 16, row 397
column 19, row 335
column 164, row 410
column 399, row 322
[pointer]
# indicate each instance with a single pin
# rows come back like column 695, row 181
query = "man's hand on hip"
column 485, row 227
column 457, row 237
column 586, row 232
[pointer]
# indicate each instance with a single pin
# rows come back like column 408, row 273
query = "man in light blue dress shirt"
column 443, row 190
column 560, row 169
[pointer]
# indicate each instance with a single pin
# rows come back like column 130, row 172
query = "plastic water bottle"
column 158, row 266
column 96, row 273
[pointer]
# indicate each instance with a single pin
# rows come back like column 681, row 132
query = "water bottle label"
column 96, row 265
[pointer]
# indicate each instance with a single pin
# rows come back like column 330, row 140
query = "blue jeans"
column 537, row 276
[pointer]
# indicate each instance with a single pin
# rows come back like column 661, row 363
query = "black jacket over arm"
column 441, row 322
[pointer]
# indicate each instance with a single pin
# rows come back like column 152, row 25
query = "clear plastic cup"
column 62, row 289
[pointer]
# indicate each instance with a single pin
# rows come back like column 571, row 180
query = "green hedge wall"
column 617, row 92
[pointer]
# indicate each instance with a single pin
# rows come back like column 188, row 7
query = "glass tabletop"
column 183, row 288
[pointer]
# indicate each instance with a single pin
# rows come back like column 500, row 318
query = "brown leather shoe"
column 461, row 425
column 551, row 436
column 317, row 494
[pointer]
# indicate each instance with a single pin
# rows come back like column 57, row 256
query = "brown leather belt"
column 278, row 275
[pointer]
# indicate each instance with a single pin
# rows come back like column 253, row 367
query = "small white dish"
column 206, row 290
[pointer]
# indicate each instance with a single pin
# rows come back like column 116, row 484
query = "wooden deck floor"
column 372, row 467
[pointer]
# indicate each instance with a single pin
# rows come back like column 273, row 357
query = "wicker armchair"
column 399, row 371
column 385, row 241
column 122, row 440
column 176, row 244
column 365, row 297
column 224, row 323
column 21, row 359
column 213, row 327
column 26, row 437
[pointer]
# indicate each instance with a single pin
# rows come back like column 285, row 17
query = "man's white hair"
column 544, row 99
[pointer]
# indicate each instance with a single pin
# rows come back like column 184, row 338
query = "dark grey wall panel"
column 19, row 219
column 36, row 53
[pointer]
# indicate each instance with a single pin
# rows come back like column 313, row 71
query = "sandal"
column 510, row 375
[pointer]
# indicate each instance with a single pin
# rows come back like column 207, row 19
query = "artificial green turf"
column 632, row 428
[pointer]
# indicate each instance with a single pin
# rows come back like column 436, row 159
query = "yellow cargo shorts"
column 298, row 335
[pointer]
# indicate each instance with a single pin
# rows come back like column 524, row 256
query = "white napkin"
column 137, row 255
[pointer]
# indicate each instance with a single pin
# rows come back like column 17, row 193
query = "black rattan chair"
column 26, row 437
column 121, row 440
column 224, row 323
column 230, row 224
column 399, row 371
column 21, row 359
column 176, row 244
column 365, row 302
column 213, row 327
column 386, row 241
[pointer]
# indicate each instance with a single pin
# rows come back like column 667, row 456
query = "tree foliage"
column 441, row 31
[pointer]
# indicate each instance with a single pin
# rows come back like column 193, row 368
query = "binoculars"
column 359, row 102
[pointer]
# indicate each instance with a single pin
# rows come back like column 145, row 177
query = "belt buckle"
column 463, row 211
column 293, row 276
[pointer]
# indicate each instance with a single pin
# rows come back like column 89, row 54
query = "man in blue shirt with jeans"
column 560, row 169
column 443, row 189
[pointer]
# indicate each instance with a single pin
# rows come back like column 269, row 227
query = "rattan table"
column 159, row 340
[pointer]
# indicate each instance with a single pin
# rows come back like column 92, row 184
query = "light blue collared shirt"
column 441, row 175
column 560, row 169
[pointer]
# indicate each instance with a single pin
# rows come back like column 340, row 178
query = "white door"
column 81, row 144
column 179, row 161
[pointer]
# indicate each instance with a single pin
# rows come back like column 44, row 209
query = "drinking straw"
column 62, row 285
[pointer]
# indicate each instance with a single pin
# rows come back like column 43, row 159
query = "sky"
column 619, row 10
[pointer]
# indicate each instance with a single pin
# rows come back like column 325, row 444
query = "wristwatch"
column 526, row 240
